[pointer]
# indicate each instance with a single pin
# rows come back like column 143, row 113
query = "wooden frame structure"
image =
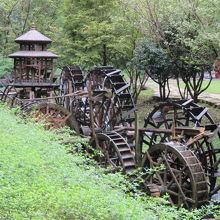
column 32, row 75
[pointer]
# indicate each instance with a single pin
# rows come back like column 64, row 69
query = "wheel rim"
column 182, row 177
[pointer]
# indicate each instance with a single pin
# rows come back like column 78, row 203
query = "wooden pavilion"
column 33, row 65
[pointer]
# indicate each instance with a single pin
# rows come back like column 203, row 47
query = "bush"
column 6, row 66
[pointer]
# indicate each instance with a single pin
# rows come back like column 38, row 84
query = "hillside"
column 39, row 180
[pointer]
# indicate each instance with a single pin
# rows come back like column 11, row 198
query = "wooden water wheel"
column 175, row 170
column 117, row 152
column 186, row 113
column 53, row 115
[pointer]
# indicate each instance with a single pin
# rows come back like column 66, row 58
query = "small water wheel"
column 53, row 115
column 116, row 150
column 175, row 170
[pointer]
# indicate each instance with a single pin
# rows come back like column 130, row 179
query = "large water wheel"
column 110, row 100
column 176, row 113
column 122, row 106
column 185, row 113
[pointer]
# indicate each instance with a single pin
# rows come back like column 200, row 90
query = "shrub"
column 6, row 65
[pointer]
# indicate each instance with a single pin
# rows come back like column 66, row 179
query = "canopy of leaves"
column 93, row 30
column 153, row 60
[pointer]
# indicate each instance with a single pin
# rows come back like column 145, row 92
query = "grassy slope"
column 38, row 180
column 213, row 88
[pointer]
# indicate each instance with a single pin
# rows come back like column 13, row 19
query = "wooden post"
column 52, row 97
column 137, row 142
column 32, row 96
column 92, row 121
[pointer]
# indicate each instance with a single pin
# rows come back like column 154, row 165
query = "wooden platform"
column 34, row 84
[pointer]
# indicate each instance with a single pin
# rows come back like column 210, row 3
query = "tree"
column 18, row 15
column 193, row 54
column 188, row 33
column 155, row 62
column 91, row 31
column 193, row 77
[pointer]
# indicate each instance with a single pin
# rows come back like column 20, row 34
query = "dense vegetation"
column 40, row 180
column 6, row 65
column 97, row 32
column 144, row 37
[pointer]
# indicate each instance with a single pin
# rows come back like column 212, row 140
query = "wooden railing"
column 33, row 81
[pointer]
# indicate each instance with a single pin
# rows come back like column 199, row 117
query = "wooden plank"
column 137, row 142
column 114, row 72
column 187, row 130
column 122, row 88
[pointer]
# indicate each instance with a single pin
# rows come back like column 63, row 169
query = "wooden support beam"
column 137, row 142
column 178, row 130
column 92, row 121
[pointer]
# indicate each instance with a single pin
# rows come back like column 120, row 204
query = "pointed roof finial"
column 33, row 26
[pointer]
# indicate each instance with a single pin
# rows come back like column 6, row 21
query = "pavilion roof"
column 33, row 36
column 43, row 54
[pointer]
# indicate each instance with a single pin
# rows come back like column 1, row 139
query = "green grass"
column 39, row 180
column 146, row 95
column 144, row 104
column 213, row 88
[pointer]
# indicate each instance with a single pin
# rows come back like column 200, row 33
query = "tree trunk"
column 104, row 55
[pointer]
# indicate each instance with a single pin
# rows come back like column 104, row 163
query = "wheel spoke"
column 178, row 179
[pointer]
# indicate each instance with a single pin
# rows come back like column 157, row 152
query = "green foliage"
column 153, row 60
column 6, row 66
column 93, row 33
column 40, row 180
column 89, row 28
column 17, row 17
column 187, row 30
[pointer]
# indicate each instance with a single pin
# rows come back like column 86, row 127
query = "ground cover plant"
column 39, row 180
